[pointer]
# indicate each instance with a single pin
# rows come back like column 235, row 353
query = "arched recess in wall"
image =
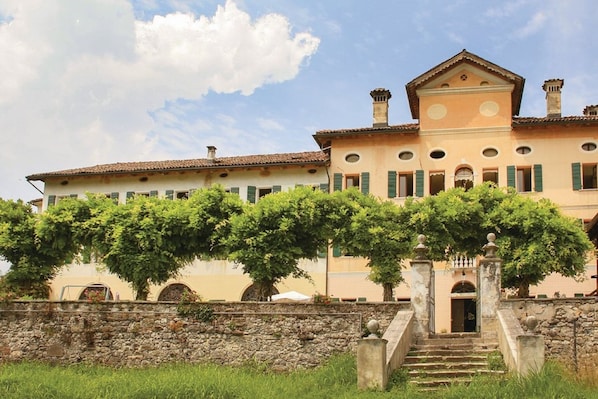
column 464, row 177
column 463, row 287
column 173, row 292
column 251, row 293
column 96, row 292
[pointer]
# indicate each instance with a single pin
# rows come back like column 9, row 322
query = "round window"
column 523, row 150
column 588, row 146
column 490, row 152
column 352, row 158
column 405, row 155
column 437, row 154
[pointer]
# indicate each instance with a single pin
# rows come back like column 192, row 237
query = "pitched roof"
column 366, row 131
column 295, row 158
column 561, row 120
column 465, row 57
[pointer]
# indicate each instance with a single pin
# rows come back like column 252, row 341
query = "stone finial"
column 490, row 248
column 421, row 249
column 531, row 322
column 373, row 327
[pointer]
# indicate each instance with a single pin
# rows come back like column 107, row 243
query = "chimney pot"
column 380, row 99
column 211, row 153
column 591, row 110
column 553, row 87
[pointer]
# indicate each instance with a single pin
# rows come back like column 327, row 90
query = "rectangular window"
column 589, row 176
column 436, row 182
column 264, row 191
column 490, row 175
column 524, row 179
column 406, row 184
column 352, row 181
column 182, row 195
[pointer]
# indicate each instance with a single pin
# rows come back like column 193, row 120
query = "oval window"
column 588, row 146
column 490, row 152
column 437, row 154
column 405, row 155
column 352, row 158
column 523, row 150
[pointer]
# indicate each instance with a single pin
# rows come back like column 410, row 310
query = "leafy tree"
column 36, row 245
column 535, row 239
column 378, row 231
column 148, row 240
column 270, row 237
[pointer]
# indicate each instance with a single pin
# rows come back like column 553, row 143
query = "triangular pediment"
column 462, row 67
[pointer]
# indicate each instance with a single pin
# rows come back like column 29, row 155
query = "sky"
column 100, row 81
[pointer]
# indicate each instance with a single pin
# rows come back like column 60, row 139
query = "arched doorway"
column 463, row 307
column 464, row 178
column 251, row 293
column 173, row 292
column 95, row 293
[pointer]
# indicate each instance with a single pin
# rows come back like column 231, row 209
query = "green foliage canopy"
column 270, row 237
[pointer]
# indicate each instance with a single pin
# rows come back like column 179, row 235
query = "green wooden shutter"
column 419, row 183
column 51, row 200
column 392, row 184
column 169, row 194
column 276, row 189
column 538, row 186
column 130, row 195
column 114, row 197
column 336, row 251
column 324, row 187
column 365, row 182
column 153, row 193
column 251, row 194
column 576, row 175
column 234, row 190
column 511, row 176
column 338, row 182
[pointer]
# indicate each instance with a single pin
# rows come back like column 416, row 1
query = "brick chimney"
column 380, row 97
column 591, row 110
column 211, row 153
column 552, row 87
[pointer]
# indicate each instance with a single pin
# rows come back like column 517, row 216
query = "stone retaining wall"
column 283, row 335
column 569, row 327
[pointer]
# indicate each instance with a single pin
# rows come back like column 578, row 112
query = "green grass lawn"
column 336, row 379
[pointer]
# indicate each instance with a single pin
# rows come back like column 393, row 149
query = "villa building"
column 468, row 131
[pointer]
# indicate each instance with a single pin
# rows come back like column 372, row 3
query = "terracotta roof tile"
column 404, row 128
column 563, row 120
column 295, row 158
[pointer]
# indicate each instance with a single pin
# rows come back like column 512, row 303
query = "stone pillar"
column 489, row 289
column 530, row 354
column 421, row 288
column 372, row 370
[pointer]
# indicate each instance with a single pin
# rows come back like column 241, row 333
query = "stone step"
column 448, row 360
column 445, row 359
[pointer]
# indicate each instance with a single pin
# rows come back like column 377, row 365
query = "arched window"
column 463, row 287
column 173, row 292
column 464, row 178
column 95, row 293
column 251, row 293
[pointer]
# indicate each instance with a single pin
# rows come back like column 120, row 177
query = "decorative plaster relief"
column 489, row 108
column 436, row 111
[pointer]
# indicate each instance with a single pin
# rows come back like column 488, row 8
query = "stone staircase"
column 445, row 359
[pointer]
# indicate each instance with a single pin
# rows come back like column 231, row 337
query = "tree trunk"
column 523, row 290
column 387, row 296
column 141, row 291
column 265, row 290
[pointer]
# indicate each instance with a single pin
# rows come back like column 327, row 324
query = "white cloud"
column 533, row 25
column 78, row 80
